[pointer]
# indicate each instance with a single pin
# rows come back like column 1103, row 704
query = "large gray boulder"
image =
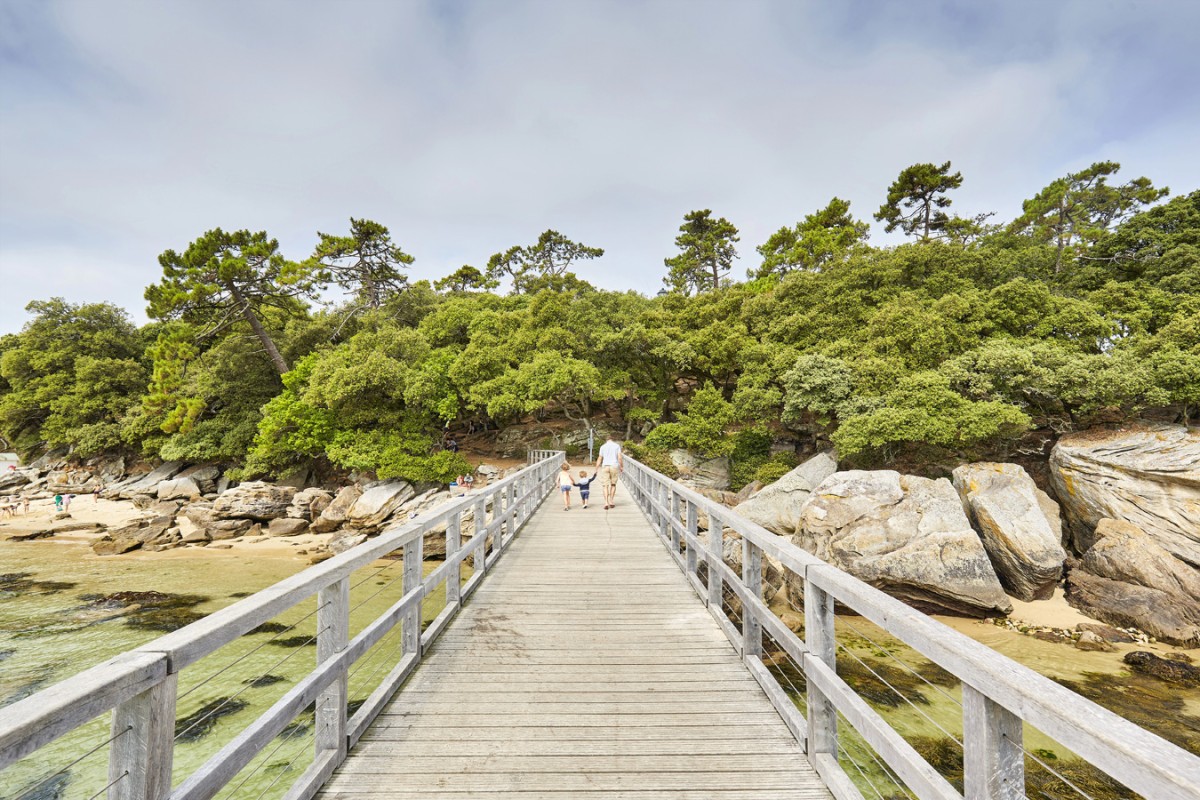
column 334, row 515
column 377, row 503
column 71, row 481
column 1149, row 476
column 1019, row 524
column 777, row 506
column 148, row 483
column 308, row 504
column 255, row 500
column 1126, row 578
column 906, row 535
column 700, row 472
column 179, row 489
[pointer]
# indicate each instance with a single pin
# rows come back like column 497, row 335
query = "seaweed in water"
column 52, row 788
column 151, row 611
column 200, row 723
column 295, row 641
column 268, row 627
column 264, row 680
column 239, row 595
column 5, row 654
column 1154, row 704
column 23, row 583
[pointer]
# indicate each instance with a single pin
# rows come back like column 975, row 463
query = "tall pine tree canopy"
column 964, row 343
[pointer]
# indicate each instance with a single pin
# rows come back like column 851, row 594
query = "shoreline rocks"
column 906, row 535
column 777, row 506
column 1019, row 525
column 1149, row 477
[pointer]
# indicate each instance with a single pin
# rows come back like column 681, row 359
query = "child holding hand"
column 565, row 484
column 585, row 486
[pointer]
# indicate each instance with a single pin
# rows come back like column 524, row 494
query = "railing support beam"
column 993, row 759
column 822, row 645
column 143, row 747
column 333, row 633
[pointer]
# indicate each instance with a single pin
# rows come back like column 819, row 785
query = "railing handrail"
column 1143, row 761
column 35, row 721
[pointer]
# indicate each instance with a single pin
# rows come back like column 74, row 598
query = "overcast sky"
column 127, row 128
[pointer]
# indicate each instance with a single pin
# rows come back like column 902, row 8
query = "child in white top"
column 565, row 482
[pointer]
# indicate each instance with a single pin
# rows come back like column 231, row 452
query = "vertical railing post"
column 674, row 531
column 993, row 759
column 752, row 579
column 480, row 561
column 693, row 529
column 411, row 633
column 143, row 745
column 820, row 639
column 664, row 495
column 453, row 543
column 333, row 632
column 716, row 556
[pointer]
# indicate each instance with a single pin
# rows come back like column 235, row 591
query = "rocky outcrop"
column 1019, row 525
column 1150, row 477
column 204, row 476
column 344, row 540
column 308, row 504
column 1127, row 579
column 178, row 489
column 157, row 532
column 777, row 506
column 256, row 500
column 906, row 535
column 286, row 526
column 145, row 484
column 699, row 472
column 377, row 503
column 71, row 481
column 336, row 512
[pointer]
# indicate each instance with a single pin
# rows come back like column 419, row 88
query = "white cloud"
column 468, row 127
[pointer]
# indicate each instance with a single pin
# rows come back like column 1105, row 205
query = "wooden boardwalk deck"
column 583, row 666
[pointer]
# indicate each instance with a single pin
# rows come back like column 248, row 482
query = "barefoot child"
column 585, row 485
column 565, row 483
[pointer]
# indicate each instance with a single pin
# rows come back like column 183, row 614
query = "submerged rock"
column 1019, row 525
column 777, row 506
column 906, row 535
column 1149, row 477
column 1162, row 668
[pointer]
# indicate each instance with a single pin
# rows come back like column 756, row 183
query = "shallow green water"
column 63, row 610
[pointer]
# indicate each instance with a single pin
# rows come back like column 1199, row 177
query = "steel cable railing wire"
column 1058, row 775
column 248, row 686
column 379, row 653
column 886, row 769
column 905, row 666
column 858, row 768
column 899, row 694
column 29, row 791
column 264, row 760
column 251, row 652
column 110, row 784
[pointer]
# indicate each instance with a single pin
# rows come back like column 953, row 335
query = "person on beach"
column 610, row 463
column 565, row 484
column 58, row 502
column 585, row 486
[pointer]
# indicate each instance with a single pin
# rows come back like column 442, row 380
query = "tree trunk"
column 259, row 331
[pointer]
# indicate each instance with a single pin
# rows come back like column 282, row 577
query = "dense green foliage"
column 1083, row 311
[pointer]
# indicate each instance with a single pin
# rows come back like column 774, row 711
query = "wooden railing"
column 139, row 687
column 998, row 695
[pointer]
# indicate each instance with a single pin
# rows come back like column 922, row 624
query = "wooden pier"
column 584, row 667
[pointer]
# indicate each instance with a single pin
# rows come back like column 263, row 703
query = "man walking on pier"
column 610, row 464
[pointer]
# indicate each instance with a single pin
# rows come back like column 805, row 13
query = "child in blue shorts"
column 585, row 485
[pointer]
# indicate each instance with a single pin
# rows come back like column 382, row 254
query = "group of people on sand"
column 610, row 463
column 11, row 506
